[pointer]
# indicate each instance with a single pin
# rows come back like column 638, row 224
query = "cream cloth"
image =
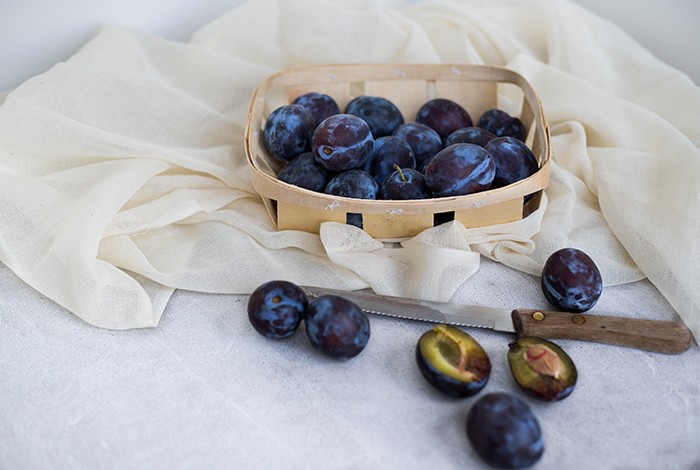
column 124, row 176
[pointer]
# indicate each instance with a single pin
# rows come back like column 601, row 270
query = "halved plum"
column 543, row 369
column 452, row 361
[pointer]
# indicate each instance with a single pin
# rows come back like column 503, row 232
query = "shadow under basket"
column 477, row 88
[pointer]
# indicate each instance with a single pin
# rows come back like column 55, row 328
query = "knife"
column 651, row 335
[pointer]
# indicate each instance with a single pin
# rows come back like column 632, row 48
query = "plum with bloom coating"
column 381, row 115
column 342, row 142
column 460, row 169
column 319, row 105
column 443, row 115
column 305, row 172
column 571, row 280
column 276, row 308
column 504, row 431
column 502, row 124
column 514, row 160
column 288, row 132
column 336, row 326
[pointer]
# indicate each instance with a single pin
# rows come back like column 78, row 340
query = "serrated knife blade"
column 652, row 335
column 424, row 310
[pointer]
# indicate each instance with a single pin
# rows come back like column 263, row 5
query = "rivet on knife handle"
column 651, row 335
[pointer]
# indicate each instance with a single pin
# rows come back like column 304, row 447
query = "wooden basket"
column 476, row 88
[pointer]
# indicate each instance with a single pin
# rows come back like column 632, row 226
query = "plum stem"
column 398, row 168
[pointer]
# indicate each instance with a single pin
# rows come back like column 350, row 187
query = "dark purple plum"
column 502, row 124
column 404, row 183
column 424, row 141
column 504, row 431
column 469, row 135
column 305, row 172
column 356, row 184
column 452, row 361
column 381, row 115
column 460, row 169
column 514, row 160
column 542, row 368
column 342, row 142
column 336, row 326
column 443, row 115
column 389, row 151
column 353, row 183
column 571, row 280
column 276, row 308
column 319, row 105
column 288, row 132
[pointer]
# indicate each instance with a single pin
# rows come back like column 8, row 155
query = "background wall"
column 35, row 34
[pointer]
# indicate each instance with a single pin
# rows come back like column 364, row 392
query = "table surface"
column 204, row 390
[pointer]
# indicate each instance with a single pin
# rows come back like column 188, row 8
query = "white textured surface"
column 203, row 390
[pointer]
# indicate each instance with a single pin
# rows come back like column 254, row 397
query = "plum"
column 388, row 152
column 424, row 141
column 381, row 115
column 336, row 326
column 288, row 132
column 571, row 280
column 319, row 105
column 502, row 124
column 444, row 116
column 305, row 172
column 452, row 361
column 404, row 183
column 514, row 160
column 460, row 169
column 504, row 431
column 542, row 368
column 469, row 135
column 276, row 308
column 356, row 184
column 342, row 142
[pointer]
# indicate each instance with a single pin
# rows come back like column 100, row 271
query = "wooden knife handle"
column 651, row 335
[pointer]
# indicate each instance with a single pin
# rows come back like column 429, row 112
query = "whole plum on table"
column 342, row 142
column 356, row 184
column 319, row 105
column 460, row 169
column 276, row 308
column 305, row 172
column 470, row 135
column 502, row 124
column 381, row 115
column 388, row 152
column 424, row 141
column 444, row 116
column 288, row 132
column 403, row 184
column 336, row 326
column 514, row 160
column 571, row 280
column 542, row 368
column 452, row 361
column 504, row 431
